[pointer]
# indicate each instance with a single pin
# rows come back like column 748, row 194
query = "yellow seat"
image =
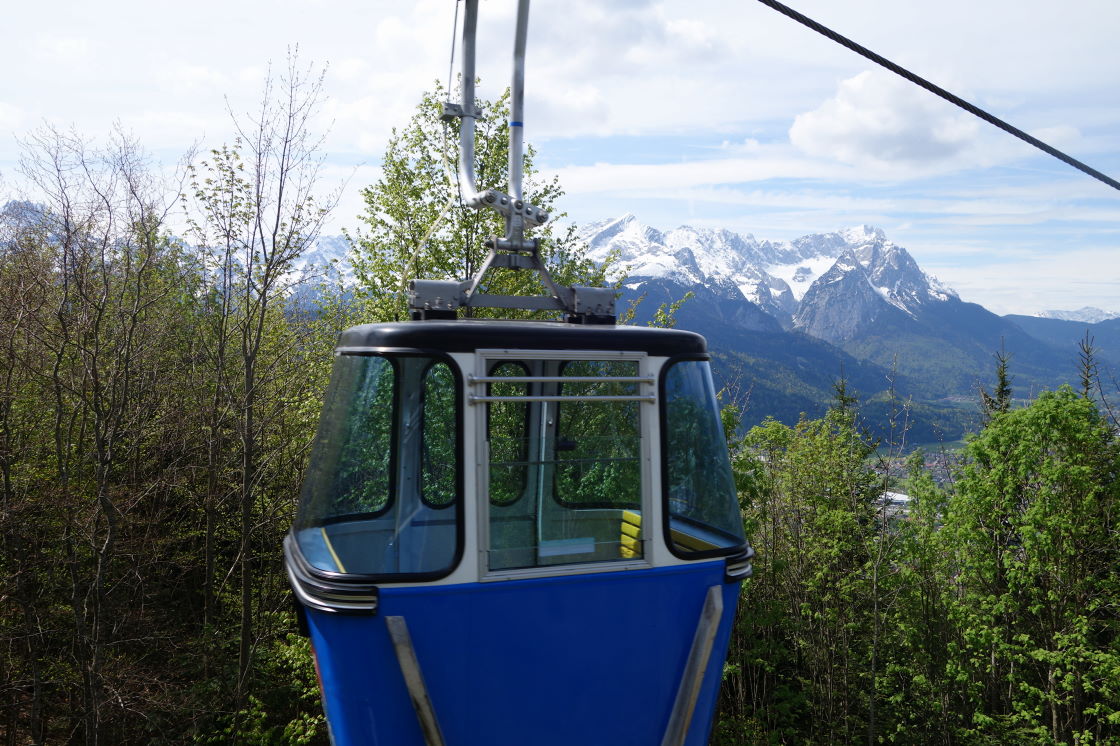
column 630, row 542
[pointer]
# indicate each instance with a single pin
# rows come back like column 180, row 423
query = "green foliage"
column 665, row 316
column 155, row 410
column 980, row 612
column 288, row 714
column 1000, row 400
column 1034, row 532
column 806, row 625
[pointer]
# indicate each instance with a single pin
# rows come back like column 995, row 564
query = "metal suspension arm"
column 517, row 102
column 439, row 299
column 517, row 213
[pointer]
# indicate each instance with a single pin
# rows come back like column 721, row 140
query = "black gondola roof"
column 468, row 335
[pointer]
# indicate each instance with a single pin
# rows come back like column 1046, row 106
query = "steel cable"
column 939, row 91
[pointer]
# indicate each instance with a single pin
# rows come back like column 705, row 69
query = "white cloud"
column 1006, row 287
column 184, row 76
column 607, row 177
column 61, row 47
column 703, row 71
column 350, row 180
column 881, row 122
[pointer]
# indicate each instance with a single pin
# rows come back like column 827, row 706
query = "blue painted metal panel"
column 578, row 659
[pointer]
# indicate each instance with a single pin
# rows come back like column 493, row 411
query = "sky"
column 710, row 113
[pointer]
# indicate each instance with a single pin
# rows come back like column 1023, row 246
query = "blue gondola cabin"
column 518, row 533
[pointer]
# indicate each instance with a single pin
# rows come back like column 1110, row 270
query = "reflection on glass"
column 507, row 430
column 703, row 505
column 350, row 470
column 380, row 497
column 598, row 442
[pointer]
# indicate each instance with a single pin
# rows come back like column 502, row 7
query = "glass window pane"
column 439, row 440
column 350, row 470
column 565, row 476
column 380, row 497
column 507, row 428
column 598, row 443
column 702, row 503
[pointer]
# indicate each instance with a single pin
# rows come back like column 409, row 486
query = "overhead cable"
column 935, row 89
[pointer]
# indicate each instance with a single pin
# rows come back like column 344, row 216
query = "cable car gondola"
column 517, row 532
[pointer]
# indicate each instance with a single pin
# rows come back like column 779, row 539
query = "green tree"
column 94, row 284
column 1032, row 531
column 255, row 208
column 999, row 400
column 917, row 696
column 414, row 227
column 800, row 661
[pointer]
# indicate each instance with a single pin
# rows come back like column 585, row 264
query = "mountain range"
column 787, row 319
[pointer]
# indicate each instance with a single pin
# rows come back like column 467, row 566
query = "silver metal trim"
column 414, row 680
column 517, row 102
column 428, row 299
column 467, row 110
column 322, row 594
column 475, row 399
column 471, row 378
column 697, row 665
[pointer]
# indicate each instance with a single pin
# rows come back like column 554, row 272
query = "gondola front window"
column 381, row 496
column 701, row 500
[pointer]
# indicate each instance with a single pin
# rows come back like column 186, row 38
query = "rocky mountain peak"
column 861, row 234
column 776, row 276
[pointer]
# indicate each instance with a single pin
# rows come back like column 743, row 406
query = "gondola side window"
column 701, row 501
column 381, row 496
column 351, row 467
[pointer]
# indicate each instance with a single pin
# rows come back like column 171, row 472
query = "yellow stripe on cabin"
column 693, row 543
column 330, row 548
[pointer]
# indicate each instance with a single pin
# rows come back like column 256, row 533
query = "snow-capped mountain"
column 786, row 317
column 875, row 277
column 1087, row 314
column 852, row 288
column 325, row 259
column 789, row 280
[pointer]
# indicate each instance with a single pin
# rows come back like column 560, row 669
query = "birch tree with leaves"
column 256, row 209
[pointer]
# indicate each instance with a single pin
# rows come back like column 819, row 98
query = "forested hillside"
column 159, row 391
column 156, row 405
column 981, row 611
